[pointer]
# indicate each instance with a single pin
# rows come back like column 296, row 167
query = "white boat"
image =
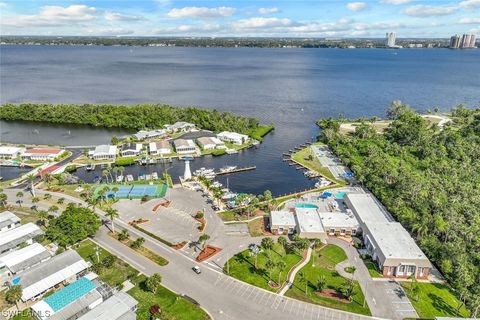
column 229, row 196
column 322, row 183
column 228, row 169
column 203, row 172
column 120, row 178
column 256, row 142
column 155, row 176
column 232, row 151
column 148, row 177
column 129, row 178
column 217, row 184
column 141, row 177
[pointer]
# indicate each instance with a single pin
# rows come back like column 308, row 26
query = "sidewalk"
column 293, row 272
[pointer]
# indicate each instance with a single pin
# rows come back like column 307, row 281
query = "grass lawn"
column 259, row 132
column 26, row 314
column 315, row 165
column 242, row 266
column 435, row 300
column 114, row 276
column 172, row 305
column 322, row 263
column 257, row 227
column 373, row 269
column 147, row 253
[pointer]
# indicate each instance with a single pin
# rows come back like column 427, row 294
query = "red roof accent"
column 44, row 150
column 50, row 169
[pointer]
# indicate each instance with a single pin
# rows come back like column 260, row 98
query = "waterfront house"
column 160, row 148
column 388, row 243
column 11, row 152
column 8, row 220
column 62, row 268
column 22, row 259
column 183, row 146
column 180, row 126
column 233, row 137
column 209, row 143
column 150, row 134
column 131, row 149
column 104, row 152
column 42, row 154
column 23, row 234
column 282, row 222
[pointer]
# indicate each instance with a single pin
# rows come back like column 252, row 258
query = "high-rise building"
column 390, row 38
column 468, row 41
column 455, row 42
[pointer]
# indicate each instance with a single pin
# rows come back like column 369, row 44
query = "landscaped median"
column 170, row 304
column 137, row 245
column 319, row 283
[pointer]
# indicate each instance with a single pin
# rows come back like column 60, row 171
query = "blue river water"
column 290, row 88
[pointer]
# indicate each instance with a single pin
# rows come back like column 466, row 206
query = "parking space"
column 399, row 300
column 297, row 309
column 236, row 229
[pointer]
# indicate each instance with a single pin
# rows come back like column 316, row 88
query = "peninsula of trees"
column 134, row 117
column 429, row 178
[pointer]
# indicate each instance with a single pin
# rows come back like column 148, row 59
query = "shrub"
column 218, row 152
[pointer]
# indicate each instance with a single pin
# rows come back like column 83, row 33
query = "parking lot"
column 394, row 300
column 297, row 309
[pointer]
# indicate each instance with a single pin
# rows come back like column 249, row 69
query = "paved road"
column 223, row 297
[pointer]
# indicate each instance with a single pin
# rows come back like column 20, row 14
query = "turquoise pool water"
column 340, row 195
column 306, row 206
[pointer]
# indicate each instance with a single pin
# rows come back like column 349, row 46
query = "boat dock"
column 236, row 170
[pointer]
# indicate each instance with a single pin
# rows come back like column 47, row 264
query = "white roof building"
column 37, row 280
column 183, row 146
column 120, row 306
column 144, row 134
column 11, row 152
column 8, row 220
column 233, row 137
column 22, row 259
column 309, row 223
column 14, row 237
column 180, row 126
column 161, row 147
column 104, row 151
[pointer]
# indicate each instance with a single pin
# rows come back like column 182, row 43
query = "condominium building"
column 390, row 38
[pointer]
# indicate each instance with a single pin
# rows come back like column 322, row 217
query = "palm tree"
column 123, row 235
column 254, row 251
column 116, row 170
column 112, row 213
column 43, row 217
column 281, row 265
column 47, row 196
column 203, row 239
column 14, row 294
column 31, row 179
column 270, row 265
column 47, row 177
column 53, row 209
column 115, row 189
column 3, row 199
column 267, row 243
column 321, row 283
column 61, row 200
column 20, row 196
column 303, row 279
column 35, row 200
column 283, row 242
column 105, row 174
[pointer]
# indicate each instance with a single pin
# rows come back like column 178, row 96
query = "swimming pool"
column 340, row 195
column 306, row 206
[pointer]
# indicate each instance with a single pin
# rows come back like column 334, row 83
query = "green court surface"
column 136, row 191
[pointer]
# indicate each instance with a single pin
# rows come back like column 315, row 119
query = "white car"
column 197, row 270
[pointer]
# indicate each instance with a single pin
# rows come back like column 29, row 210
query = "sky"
column 207, row 18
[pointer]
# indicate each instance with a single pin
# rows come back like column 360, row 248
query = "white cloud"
column 469, row 21
column 115, row 16
column 395, row 2
column 469, row 4
column 3, row 5
column 110, row 31
column 261, row 22
column 356, row 6
column 378, row 26
column 201, row 12
column 268, row 10
column 189, row 29
column 53, row 16
column 422, row 11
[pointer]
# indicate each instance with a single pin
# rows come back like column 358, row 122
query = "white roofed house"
column 104, row 152
column 209, row 143
column 42, row 154
column 159, row 148
column 8, row 221
column 13, row 238
column 11, row 152
column 233, row 137
column 183, row 146
column 19, row 260
column 131, row 149
column 149, row 134
column 282, row 222
column 180, row 126
column 62, row 268
column 309, row 224
column 389, row 244
column 120, row 306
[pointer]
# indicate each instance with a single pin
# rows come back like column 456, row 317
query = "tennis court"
column 131, row 191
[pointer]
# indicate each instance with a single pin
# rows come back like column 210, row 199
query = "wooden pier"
column 236, row 170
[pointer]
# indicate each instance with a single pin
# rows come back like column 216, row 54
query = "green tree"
column 20, row 196
column 303, row 279
column 31, row 179
column 137, row 243
column 321, row 283
column 53, row 209
column 42, row 216
column 61, row 200
column 47, row 196
column 203, row 239
column 3, row 199
column 267, row 243
column 73, row 225
column 270, row 266
column 14, row 294
column 254, row 251
column 283, row 242
column 348, row 289
column 112, row 214
column 281, row 266
column 153, row 282
column 123, row 235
